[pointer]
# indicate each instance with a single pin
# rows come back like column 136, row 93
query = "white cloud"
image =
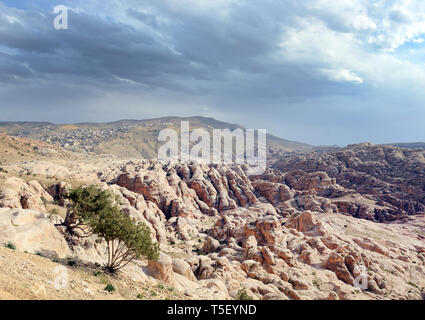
column 356, row 42
column 342, row 75
column 343, row 14
column 398, row 24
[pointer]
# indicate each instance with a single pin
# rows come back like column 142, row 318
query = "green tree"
column 126, row 240
column 94, row 211
column 86, row 202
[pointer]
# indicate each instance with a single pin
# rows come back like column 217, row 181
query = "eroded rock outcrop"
column 18, row 193
column 391, row 178
column 32, row 231
column 291, row 233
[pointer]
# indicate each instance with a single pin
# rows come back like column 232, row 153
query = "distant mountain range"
column 138, row 138
column 133, row 138
column 409, row 145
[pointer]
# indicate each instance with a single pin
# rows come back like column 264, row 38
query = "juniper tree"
column 126, row 240
column 85, row 203
column 94, row 211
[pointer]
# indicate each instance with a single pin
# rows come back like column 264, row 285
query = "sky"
column 322, row 72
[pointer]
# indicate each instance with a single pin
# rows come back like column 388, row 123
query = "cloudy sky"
column 317, row 71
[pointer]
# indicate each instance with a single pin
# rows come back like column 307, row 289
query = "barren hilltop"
column 310, row 227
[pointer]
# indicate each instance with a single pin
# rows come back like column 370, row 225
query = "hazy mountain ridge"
column 408, row 145
column 133, row 138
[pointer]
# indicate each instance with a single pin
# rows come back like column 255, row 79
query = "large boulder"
column 32, row 231
column 17, row 193
column 162, row 269
column 303, row 222
column 211, row 245
column 182, row 267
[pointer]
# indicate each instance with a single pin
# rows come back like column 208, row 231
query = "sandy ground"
column 28, row 276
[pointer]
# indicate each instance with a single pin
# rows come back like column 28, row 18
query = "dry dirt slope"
column 14, row 149
column 30, row 276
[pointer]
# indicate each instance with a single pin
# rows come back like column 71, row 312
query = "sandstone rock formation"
column 390, row 180
column 292, row 233
column 17, row 193
column 32, row 231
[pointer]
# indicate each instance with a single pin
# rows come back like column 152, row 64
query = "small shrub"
column 10, row 246
column 72, row 262
column 140, row 296
column 243, row 295
column 153, row 294
column 110, row 288
column 103, row 279
column 97, row 273
column 160, row 286
column 54, row 211
column 316, row 283
column 413, row 284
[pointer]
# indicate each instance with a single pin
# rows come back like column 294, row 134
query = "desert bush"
column 10, row 246
column 44, row 200
column 97, row 273
column 54, row 211
column 110, row 288
column 72, row 262
column 243, row 295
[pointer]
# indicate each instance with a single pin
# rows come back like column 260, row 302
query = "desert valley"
column 320, row 224
column 232, row 156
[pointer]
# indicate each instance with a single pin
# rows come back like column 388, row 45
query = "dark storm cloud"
column 200, row 53
column 305, row 64
column 92, row 48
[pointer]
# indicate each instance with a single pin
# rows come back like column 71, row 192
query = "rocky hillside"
column 411, row 145
column 13, row 149
column 128, row 138
column 290, row 233
column 390, row 180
